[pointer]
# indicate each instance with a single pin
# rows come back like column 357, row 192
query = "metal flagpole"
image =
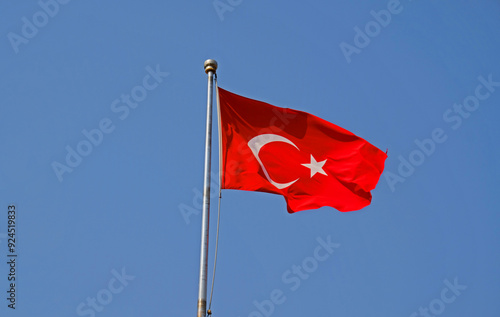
column 210, row 68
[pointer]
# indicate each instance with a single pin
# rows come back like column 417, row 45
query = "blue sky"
column 116, row 231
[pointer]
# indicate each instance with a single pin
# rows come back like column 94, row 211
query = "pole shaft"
column 202, row 290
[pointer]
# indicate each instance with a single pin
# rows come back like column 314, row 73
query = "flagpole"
column 210, row 68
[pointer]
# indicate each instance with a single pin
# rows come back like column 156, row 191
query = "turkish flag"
column 311, row 162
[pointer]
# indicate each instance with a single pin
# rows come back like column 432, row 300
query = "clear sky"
column 102, row 138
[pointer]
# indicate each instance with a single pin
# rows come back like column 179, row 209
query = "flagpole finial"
column 210, row 65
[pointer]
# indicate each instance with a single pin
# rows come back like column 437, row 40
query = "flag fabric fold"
column 310, row 161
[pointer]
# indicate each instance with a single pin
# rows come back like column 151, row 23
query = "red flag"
column 311, row 162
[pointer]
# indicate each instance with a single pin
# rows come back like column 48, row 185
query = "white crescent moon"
column 258, row 142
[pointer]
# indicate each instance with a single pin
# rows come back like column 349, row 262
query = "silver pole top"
column 210, row 65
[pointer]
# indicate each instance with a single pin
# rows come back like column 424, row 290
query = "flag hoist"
column 210, row 68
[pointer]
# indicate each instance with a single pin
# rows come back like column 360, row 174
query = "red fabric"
column 283, row 140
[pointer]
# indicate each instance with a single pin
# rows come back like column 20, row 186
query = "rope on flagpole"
column 219, row 204
column 215, row 259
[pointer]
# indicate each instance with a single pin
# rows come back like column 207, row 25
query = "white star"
column 316, row 167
